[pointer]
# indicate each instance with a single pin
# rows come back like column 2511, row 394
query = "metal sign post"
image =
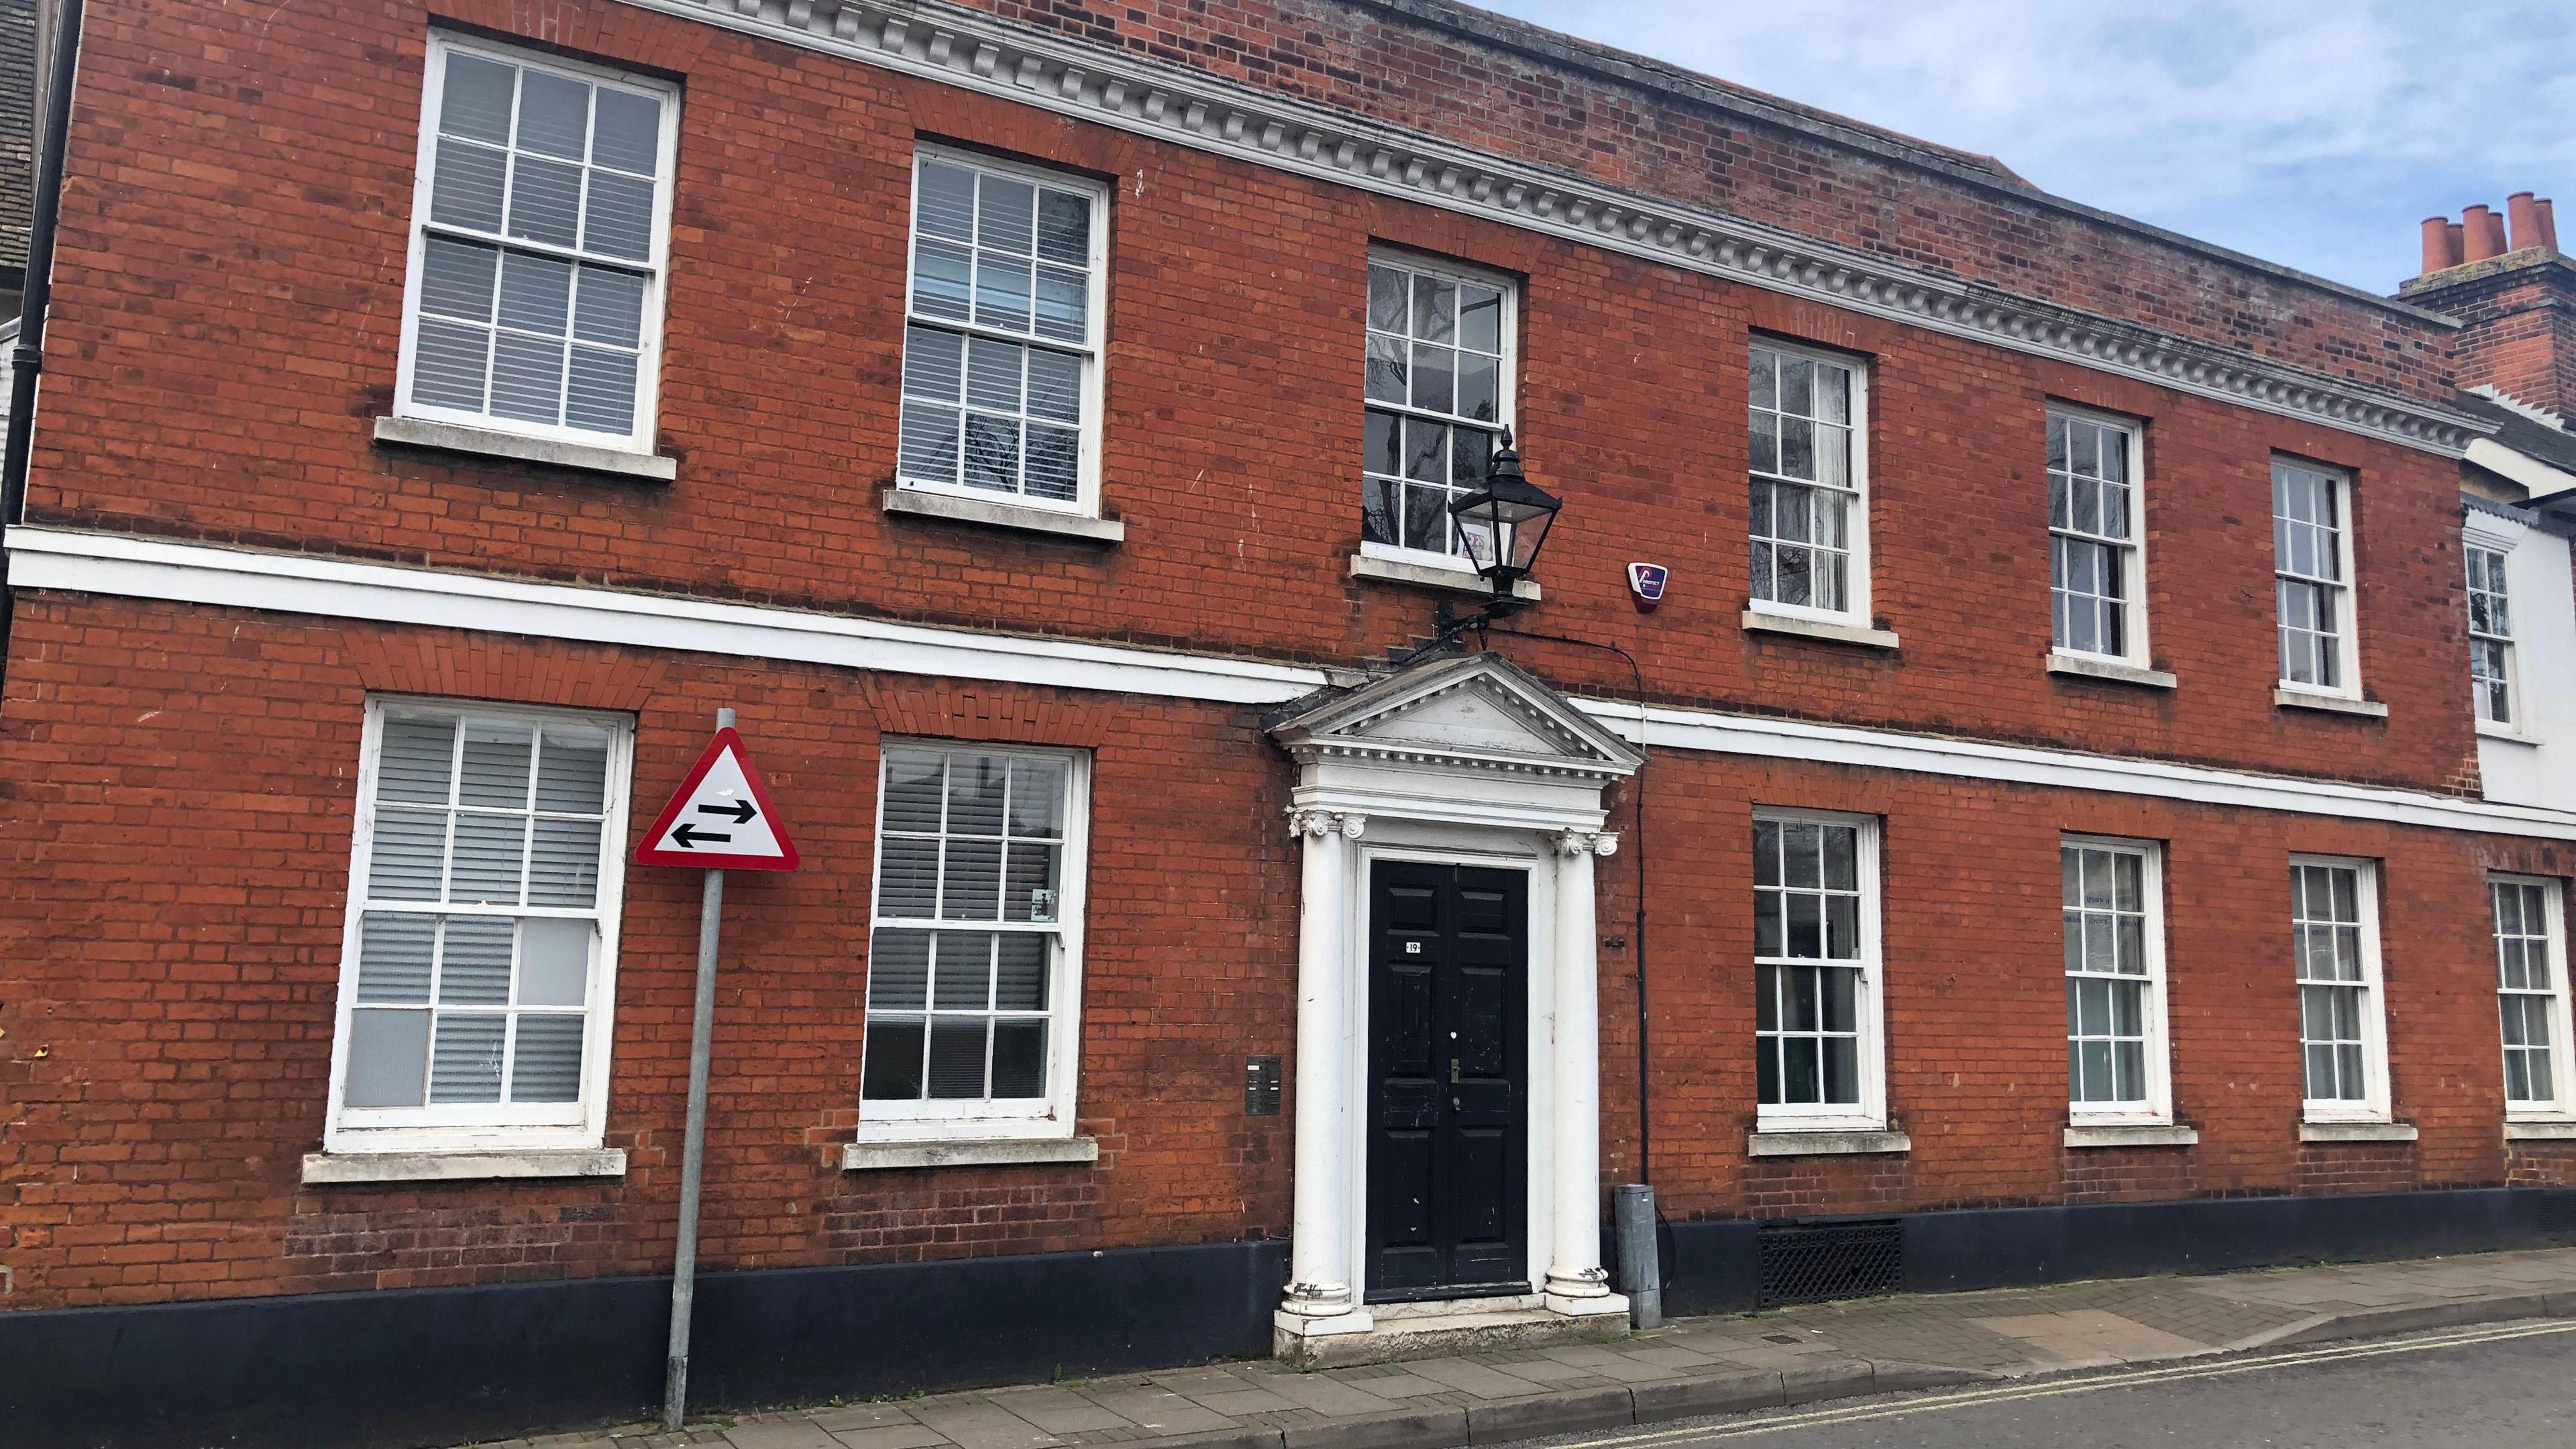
column 724, row 786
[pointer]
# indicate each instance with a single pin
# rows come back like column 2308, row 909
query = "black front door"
column 1448, row 1189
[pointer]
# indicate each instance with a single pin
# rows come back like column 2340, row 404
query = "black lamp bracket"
column 1448, row 624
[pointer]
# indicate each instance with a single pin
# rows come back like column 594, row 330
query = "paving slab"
column 893, row 1436
column 1059, row 1411
column 1160, row 1411
column 1483, row 1381
column 780, row 1434
column 976, row 1423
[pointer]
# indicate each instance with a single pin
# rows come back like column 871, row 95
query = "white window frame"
column 2374, row 1106
column 2475, row 541
column 1869, row 1012
column 656, row 267
column 1857, row 575
column 2134, row 555
column 986, row 1119
column 2560, row 1106
column 479, row 1127
column 1086, row 500
column 2347, row 632
column 2157, row 1109
column 1507, row 393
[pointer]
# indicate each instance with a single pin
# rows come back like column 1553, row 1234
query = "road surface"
column 2504, row 1386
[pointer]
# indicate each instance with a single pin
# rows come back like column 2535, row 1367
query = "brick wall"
column 241, row 191
column 172, row 962
column 182, row 783
column 1976, row 1005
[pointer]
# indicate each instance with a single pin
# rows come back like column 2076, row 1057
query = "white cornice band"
column 306, row 584
column 1965, row 759
column 189, row 573
column 978, row 52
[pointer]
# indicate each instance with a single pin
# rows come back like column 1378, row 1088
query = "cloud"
column 2310, row 134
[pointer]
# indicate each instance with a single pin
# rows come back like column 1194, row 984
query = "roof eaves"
column 1966, row 167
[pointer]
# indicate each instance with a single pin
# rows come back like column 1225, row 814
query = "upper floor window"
column 2490, row 635
column 2531, row 985
column 1439, row 387
column 2334, row 932
column 540, row 234
column 1815, row 972
column 1810, row 528
column 481, row 936
column 974, row 967
column 2312, row 571
column 2115, row 1010
column 2096, row 567
column 1001, row 353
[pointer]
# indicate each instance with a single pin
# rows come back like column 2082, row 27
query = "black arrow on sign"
column 740, row 810
column 689, row 835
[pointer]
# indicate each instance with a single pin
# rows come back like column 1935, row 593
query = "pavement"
column 1690, row 1367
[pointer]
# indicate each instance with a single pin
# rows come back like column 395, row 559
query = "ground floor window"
column 1815, row 970
column 2531, row 986
column 480, row 940
column 2115, row 1027
column 2334, row 931
column 974, row 961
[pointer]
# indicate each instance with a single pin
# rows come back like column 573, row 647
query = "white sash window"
column 540, row 237
column 481, row 940
column 974, row 966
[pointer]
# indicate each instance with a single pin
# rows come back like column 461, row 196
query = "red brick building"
column 2041, row 823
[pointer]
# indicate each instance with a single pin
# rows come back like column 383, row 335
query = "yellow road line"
column 2007, row 1393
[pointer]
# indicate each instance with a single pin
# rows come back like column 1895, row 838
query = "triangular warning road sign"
column 722, row 818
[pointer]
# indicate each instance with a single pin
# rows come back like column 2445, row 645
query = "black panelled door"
column 1448, row 1153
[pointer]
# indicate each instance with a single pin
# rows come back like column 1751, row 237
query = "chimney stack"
column 2501, row 274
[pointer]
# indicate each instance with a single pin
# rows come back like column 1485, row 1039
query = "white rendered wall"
column 2535, row 762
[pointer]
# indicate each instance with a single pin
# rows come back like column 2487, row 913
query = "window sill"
column 2356, row 1132
column 2506, row 733
column 2130, row 1134
column 2329, row 703
column 488, row 443
column 1432, row 576
column 994, row 513
column 1774, row 1143
column 323, row 1168
column 2540, row 1132
column 886, row 1156
column 1762, row 621
column 2080, row 667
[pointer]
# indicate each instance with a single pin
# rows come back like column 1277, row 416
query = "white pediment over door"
column 1465, row 710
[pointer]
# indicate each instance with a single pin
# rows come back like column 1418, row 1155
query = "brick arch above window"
column 1005, row 714
column 597, row 32
column 520, row 671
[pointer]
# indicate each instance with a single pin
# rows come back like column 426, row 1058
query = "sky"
column 2312, row 133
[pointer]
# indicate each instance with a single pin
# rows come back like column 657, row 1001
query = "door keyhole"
column 1453, row 1071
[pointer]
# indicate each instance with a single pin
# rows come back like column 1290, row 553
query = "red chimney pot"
column 2437, row 244
column 2548, row 224
column 2525, row 216
column 2485, row 233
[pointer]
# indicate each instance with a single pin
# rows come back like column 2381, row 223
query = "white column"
column 1576, row 1281
column 1320, row 1246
